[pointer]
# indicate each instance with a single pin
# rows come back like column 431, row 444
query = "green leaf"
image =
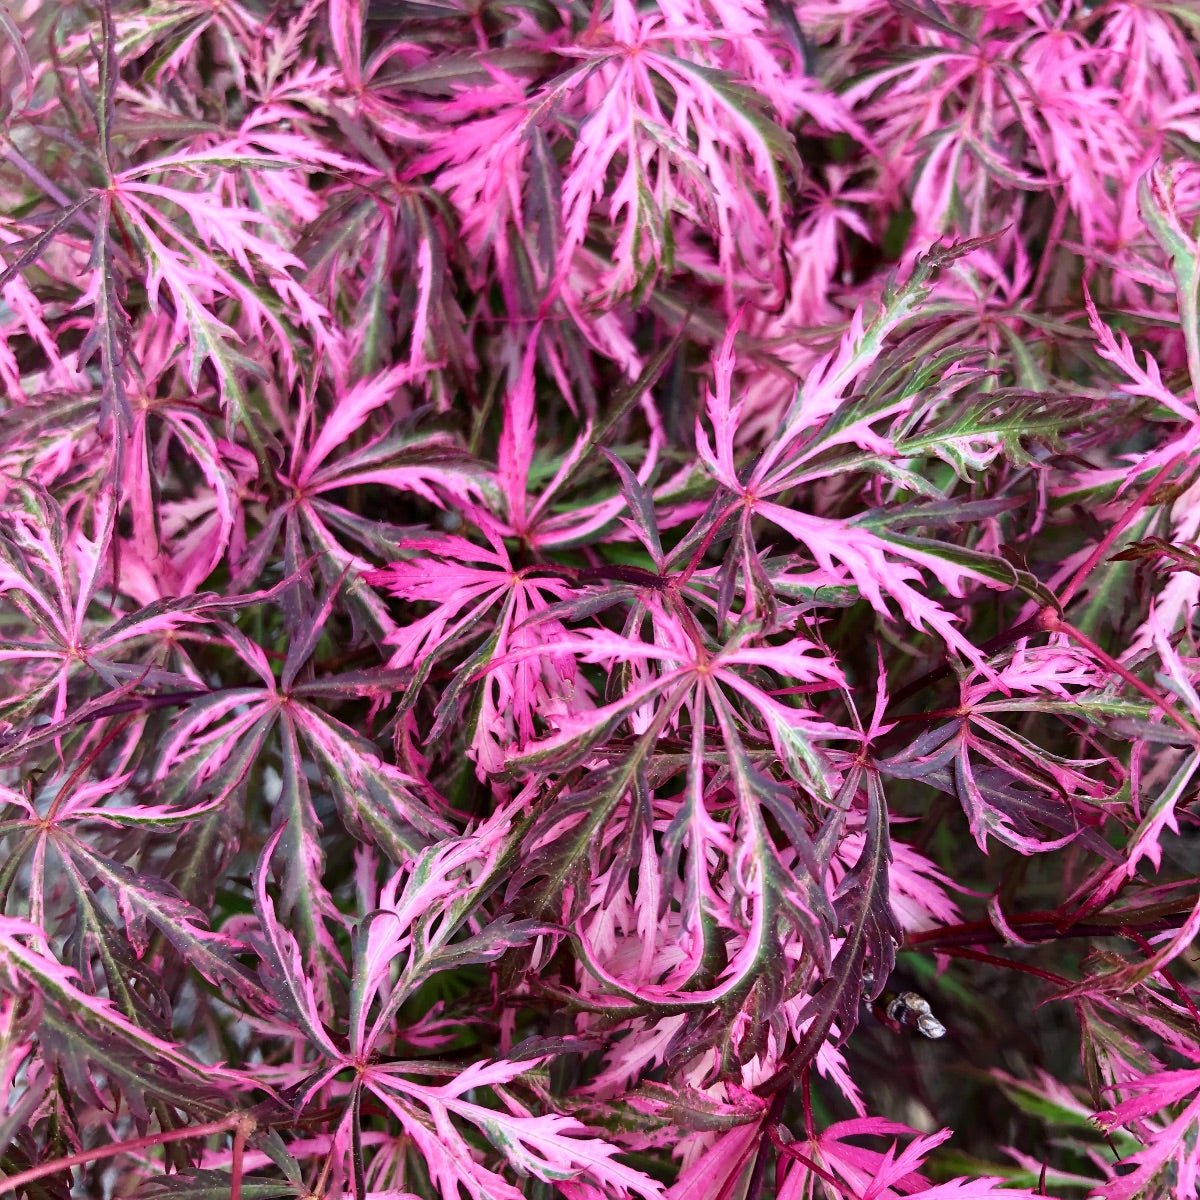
column 200, row 1184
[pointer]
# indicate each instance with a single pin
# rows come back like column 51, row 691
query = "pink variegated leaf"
column 304, row 899
column 514, row 452
column 846, row 1168
column 378, row 801
column 452, row 1164
column 985, row 1188
column 415, row 932
column 882, row 569
column 1143, row 381
column 545, row 1147
column 143, row 901
column 1146, row 841
column 898, row 1170
column 714, row 1175
column 282, row 969
column 339, row 333
column 348, row 415
column 25, row 967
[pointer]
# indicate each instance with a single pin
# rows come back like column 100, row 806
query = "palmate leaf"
column 143, row 899
column 296, row 295
column 849, row 1171
column 1016, row 794
column 870, row 938
column 51, row 571
column 313, row 525
column 411, row 936
column 215, row 743
column 105, row 1071
column 765, row 883
column 375, row 798
column 545, row 1147
column 211, row 339
column 483, row 607
column 842, row 548
column 96, row 1031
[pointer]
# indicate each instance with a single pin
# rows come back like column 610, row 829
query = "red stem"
column 791, row 1152
column 1115, row 532
column 1170, row 979
column 1056, row 624
column 758, row 1172
column 241, row 1132
column 1045, row 926
column 1008, row 964
column 241, row 1124
column 690, row 569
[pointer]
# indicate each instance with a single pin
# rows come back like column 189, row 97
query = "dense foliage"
column 575, row 575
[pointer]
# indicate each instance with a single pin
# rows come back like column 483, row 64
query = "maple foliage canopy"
column 575, row 576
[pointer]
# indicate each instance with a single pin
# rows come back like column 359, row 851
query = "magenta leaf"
column 577, row 579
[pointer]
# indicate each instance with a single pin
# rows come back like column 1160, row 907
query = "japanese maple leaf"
column 409, row 938
column 1171, row 1144
column 481, row 599
column 884, row 570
